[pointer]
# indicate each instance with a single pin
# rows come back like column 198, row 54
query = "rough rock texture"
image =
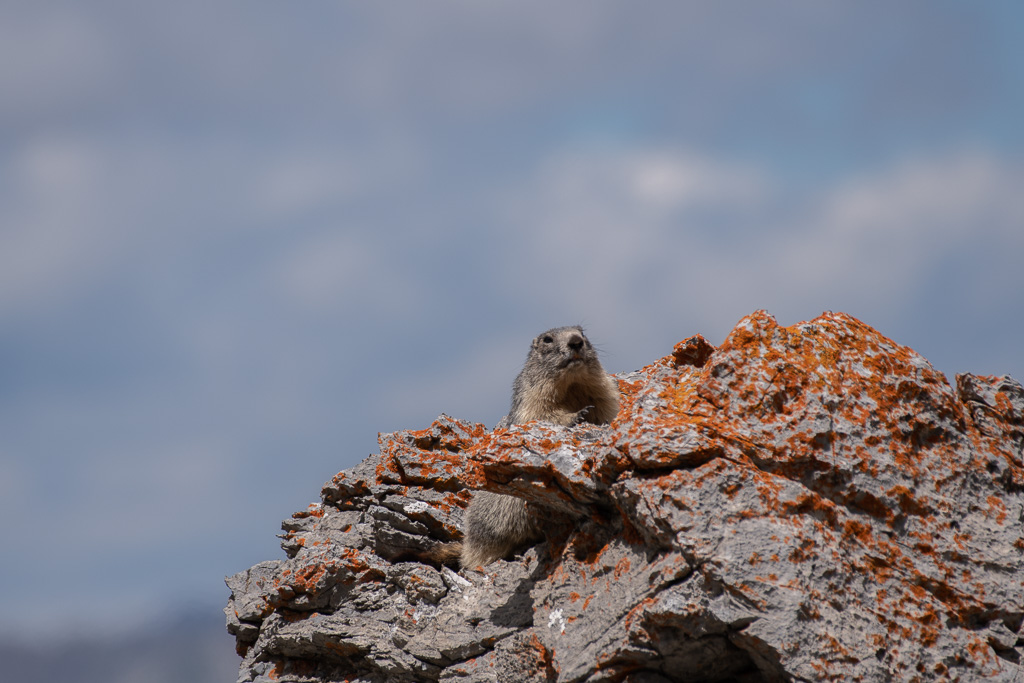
column 804, row 503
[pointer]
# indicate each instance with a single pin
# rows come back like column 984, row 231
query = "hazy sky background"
column 239, row 238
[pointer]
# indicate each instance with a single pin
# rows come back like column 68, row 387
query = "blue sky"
column 239, row 239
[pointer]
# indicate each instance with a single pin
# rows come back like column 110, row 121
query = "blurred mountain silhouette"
column 190, row 647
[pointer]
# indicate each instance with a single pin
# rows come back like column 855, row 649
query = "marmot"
column 563, row 382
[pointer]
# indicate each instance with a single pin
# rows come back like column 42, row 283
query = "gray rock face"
column 806, row 503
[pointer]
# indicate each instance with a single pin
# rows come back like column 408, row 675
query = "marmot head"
column 563, row 349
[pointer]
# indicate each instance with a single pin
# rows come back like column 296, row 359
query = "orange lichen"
column 835, row 443
column 803, row 552
column 314, row 510
column 997, row 509
column 542, row 657
column 621, row 567
column 731, row 489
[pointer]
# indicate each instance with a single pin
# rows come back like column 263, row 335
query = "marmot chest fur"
column 563, row 382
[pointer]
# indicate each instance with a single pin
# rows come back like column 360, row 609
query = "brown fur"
column 562, row 382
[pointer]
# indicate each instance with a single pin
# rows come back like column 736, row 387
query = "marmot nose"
column 575, row 342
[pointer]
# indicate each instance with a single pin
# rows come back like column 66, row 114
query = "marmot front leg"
column 580, row 416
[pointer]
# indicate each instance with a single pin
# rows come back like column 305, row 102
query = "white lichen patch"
column 556, row 618
column 416, row 506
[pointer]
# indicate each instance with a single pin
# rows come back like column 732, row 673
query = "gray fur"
column 562, row 382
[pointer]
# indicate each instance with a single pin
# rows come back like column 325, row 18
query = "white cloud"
column 636, row 236
column 49, row 236
column 623, row 234
column 886, row 235
column 76, row 209
column 172, row 489
column 648, row 181
column 473, row 386
column 621, row 209
column 344, row 269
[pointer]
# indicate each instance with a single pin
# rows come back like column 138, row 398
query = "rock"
column 799, row 504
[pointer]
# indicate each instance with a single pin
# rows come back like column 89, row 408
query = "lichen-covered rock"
column 804, row 503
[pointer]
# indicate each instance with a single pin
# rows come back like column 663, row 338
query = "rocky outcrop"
column 805, row 503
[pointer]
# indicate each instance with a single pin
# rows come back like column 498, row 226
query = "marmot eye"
column 548, row 339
